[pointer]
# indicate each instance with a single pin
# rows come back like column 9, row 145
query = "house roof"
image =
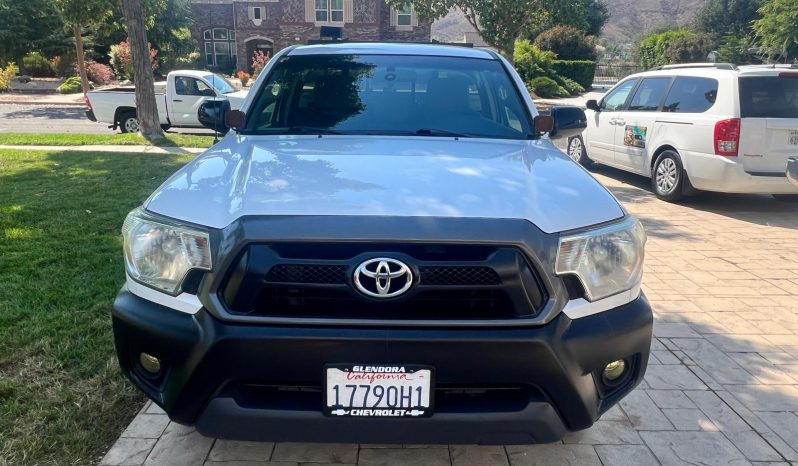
column 382, row 48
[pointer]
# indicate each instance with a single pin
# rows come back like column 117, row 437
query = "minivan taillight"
column 727, row 137
column 86, row 100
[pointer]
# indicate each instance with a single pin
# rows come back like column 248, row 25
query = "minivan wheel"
column 128, row 123
column 667, row 178
column 577, row 152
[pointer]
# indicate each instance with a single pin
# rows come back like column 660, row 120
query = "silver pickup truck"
column 178, row 98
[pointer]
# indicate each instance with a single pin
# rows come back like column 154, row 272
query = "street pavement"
column 40, row 118
column 721, row 387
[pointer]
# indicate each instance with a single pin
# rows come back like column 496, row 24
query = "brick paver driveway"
column 721, row 387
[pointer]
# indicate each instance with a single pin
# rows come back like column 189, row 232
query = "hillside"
column 628, row 19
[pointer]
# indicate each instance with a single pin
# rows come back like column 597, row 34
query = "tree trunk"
column 20, row 61
column 146, row 107
column 84, row 79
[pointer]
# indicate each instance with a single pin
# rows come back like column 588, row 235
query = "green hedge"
column 581, row 71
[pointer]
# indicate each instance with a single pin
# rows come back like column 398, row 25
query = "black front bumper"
column 262, row 382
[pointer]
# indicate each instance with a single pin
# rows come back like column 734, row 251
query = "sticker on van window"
column 635, row 136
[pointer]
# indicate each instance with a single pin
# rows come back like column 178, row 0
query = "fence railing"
column 607, row 75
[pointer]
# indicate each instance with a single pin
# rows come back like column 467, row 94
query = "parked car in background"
column 713, row 127
column 386, row 247
column 178, row 98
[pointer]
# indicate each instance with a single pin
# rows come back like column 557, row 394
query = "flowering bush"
column 6, row 75
column 122, row 59
column 244, row 77
column 259, row 61
column 98, row 73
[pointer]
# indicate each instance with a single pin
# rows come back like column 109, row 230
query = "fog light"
column 614, row 370
column 150, row 363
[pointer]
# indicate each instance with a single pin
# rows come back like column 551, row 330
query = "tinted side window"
column 769, row 96
column 615, row 99
column 691, row 95
column 649, row 94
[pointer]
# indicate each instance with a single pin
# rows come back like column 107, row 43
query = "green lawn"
column 62, row 398
column 80, row 139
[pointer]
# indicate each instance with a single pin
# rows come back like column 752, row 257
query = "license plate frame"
column 793, row 138
column 362, row 378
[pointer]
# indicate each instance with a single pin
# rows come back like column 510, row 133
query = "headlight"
column 159, row 254
column 606, row 260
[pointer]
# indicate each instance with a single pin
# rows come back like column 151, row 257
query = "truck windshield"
column 390, row 95
column 220, row 84
column 769, row 96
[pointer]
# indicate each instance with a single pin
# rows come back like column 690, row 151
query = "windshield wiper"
column 311, row 130
column 439, row 132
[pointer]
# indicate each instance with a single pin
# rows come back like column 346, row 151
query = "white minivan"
column 713, row 127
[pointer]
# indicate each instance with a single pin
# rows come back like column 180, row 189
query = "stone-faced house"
column 229, row 32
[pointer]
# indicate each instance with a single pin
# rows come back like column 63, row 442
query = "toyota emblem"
column 383, row 277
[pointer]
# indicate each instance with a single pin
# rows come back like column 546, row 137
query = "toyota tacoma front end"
column 337, row 272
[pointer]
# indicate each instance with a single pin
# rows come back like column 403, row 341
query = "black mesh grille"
column 459, row 276
column 307, row 273
column 454, row 282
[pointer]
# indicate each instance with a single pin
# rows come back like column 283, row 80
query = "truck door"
column 184, row 102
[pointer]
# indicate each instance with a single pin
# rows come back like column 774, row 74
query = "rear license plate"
column 794, row 138
column 355, row 390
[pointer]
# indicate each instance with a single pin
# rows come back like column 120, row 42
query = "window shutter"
column 251, row 13
column 310, row 11
column 393, row 17
column 413, row 18
column 349, row 11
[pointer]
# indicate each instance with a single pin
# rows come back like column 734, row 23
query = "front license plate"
column 794, row 138
column 355, row 390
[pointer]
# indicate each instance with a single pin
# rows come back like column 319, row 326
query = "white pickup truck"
column 178, row 98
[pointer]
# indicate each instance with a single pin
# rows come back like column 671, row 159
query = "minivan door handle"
column 620, row 122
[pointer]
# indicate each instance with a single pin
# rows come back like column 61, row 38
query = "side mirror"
column 235, row 119
column 211, row 115
column 543, row 124
column 568, row 121
column 592, row 104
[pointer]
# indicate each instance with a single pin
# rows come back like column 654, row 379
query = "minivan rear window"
column 690, row 94
column 769, row 97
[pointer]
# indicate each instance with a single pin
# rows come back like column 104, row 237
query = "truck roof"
column 382, row 48
column 191, row 73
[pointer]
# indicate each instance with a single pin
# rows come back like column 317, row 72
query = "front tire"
column 668, row 177
column 128, row 122
column 576, row 151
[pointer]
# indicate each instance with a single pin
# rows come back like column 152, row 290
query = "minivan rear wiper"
column 311, row 130
column 439, row 132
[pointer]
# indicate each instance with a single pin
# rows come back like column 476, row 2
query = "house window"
column 404, row 15
column 220, row 48
column 329, row 11
column 256, row 13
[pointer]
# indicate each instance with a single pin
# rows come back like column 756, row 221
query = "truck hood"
column 385, row 176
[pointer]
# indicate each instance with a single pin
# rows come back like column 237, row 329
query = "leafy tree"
column 735, row 49
column 499, row 22
column 687, row 49
column 719, row 18
column 78, row 14
column 568, row 42
column 29, row 25
column 655, row 49
column 777, row 30
column 587, row 15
